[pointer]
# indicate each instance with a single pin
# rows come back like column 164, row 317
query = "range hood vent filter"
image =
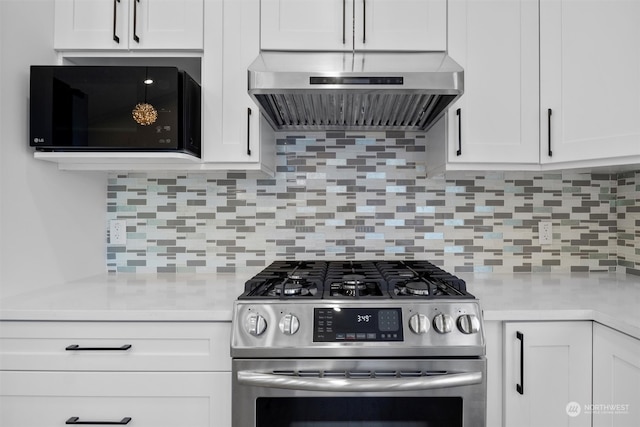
column 337, row 111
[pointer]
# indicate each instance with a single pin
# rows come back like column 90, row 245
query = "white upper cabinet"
column 128, row 24
column 590, row 81
column 306, row 25
column 239, row 138
column 240, row 116
column 342, row 25
column 400, row 25
column 549, row 84
column 496, row 120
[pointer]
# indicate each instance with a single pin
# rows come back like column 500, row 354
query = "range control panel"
column 357, row 324
column 380, row 328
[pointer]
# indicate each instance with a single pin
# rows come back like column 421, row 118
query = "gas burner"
column 354, row 286
column 296, row 278
column 295, row 284
column 352, row 292
column 353, row 280
column 417, row 288
column 292, row 288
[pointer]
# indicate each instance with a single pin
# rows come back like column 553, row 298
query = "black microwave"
column 114, row 108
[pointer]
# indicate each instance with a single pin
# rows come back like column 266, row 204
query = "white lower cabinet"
column 616, row 379
column 153, row 399
column 156, row 374
column 547, row 373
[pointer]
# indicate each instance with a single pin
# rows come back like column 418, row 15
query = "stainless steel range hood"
column 354, row 90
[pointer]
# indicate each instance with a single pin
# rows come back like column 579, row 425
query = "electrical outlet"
column 545, row 233
column 118, row 232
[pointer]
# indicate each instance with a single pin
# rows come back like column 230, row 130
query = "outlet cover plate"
column 118, row 232
column 545, row 232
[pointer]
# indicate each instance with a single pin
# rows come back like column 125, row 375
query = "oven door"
column 362, row 392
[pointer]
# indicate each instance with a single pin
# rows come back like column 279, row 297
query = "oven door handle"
column 270, row 380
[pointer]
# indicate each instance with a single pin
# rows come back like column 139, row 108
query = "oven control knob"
column 289, row 324
column 256, row 324
column 468, row 324
column 419, row 324
column 443, row 323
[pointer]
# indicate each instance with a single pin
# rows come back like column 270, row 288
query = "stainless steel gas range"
column 357, row 343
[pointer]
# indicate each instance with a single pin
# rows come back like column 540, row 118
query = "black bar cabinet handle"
column 248, row 131
column 364, row 21
column 520, row 387
column 76, row 421
column 459, row 114
column 76, row 347
column 115, row 15
column 549, row 112
column 135, row 21
column 344, row 21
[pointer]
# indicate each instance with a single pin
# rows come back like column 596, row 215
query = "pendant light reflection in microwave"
column 143, row 113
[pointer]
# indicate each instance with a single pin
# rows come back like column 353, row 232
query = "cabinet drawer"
column 43, row 399
column 115, row 346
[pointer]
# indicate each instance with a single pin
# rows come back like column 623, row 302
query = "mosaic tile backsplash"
column 338, row 195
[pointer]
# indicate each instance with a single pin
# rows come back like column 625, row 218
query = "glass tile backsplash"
column 348, row 196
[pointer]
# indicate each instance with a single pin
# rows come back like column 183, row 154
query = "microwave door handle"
column 268, row 380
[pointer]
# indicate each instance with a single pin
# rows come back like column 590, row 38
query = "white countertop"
column 610, row 299
column 132, row 297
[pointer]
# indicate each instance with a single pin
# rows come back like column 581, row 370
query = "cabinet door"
column 245, row 140
column 590, row 79
column 397, row 25
column 166, row 24
column 240, row 115
column 306, row 24
column 616, row 378
column 37, row 399
column 547, row 368
column 97, row 24
column 496, row 120
column 128, row 24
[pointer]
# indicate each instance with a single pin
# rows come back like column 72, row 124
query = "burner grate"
column 354, row 279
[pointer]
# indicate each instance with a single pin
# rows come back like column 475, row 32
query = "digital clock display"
column 364, row 318
column 357, row 324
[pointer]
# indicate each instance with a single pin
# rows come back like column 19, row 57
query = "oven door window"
column 359, row 412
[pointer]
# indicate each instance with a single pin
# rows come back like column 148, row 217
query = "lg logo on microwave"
column 38, row 140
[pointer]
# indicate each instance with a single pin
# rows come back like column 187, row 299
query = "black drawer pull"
column 344, row 19
column 364, row 21
column 115, row 17
column 76, row 420
column 248, row 131
column 76, row 347
column 135, row 21
column 520, row 387
column 549, row 113
column 459, row 114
